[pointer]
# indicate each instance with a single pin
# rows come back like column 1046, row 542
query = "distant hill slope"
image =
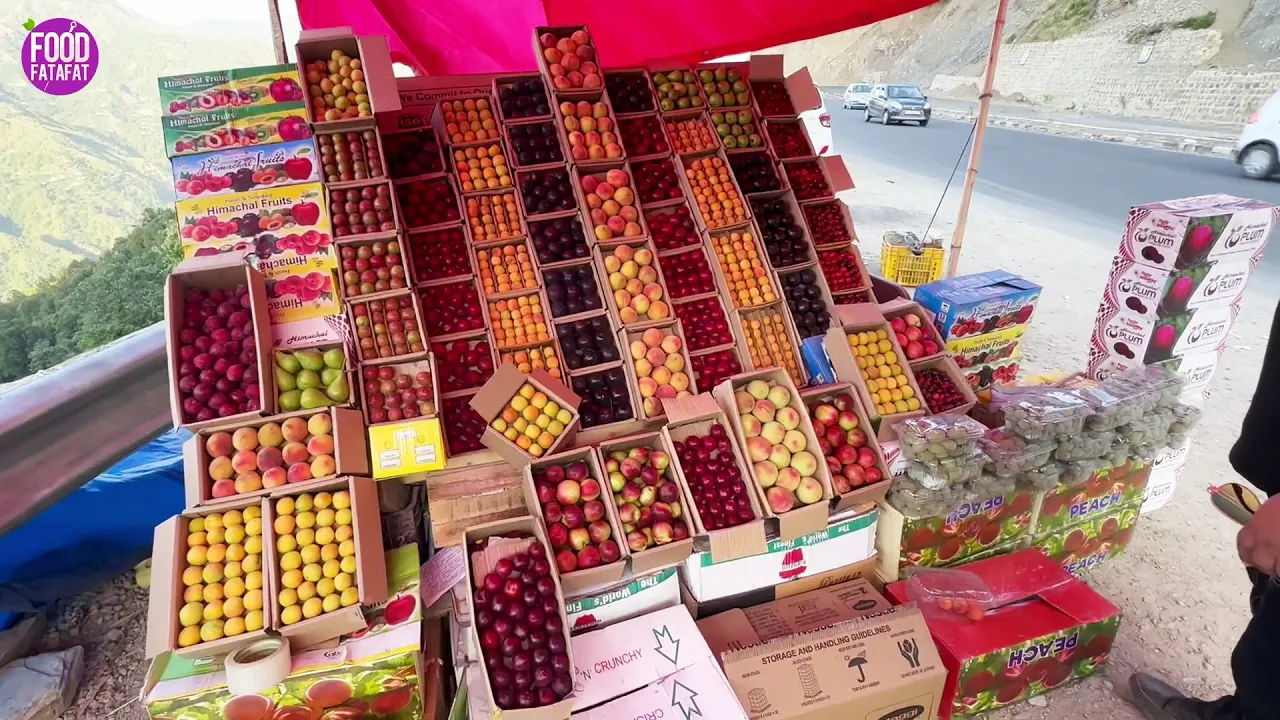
column 78, row 171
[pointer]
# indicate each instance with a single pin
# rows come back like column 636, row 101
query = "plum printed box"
column 1150, row 292
column 978, row 304
column 237, row 170
column 1179, row 234
column 238, row 87
column 1148, row 341
column 234, row 127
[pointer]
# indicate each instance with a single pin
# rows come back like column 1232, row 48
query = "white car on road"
column 856, row 96
column 1256, row 150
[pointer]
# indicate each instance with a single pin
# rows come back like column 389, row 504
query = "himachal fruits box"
column 1107, row 489
column 991, row 662
column 236, row 460
column 285, row 227
column 1082, row 547
column 238, row 87
column 1149, row 292
column 544, row 407
column 217, row 342
column 772, row 428
column 326, row 555
column 977, row 304
column 945, row 540
column 202, row 132
column 210, row 585
column 987, row 348
column 527, row 658
column 1179, row 234
column 1117, row 332
column 244, row 169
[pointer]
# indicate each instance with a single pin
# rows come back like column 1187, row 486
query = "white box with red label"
column 1184, row 233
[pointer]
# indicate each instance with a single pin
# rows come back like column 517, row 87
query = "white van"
column 1256, row 150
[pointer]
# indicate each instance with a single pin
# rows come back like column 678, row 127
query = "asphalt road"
column 1088, row 181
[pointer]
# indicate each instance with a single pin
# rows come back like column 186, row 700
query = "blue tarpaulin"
column 95, row 533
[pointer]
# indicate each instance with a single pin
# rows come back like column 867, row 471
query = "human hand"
column 1259, row 542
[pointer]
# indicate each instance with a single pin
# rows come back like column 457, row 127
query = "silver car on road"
column 856, row 96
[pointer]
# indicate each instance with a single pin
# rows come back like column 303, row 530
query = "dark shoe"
column 1157, row 700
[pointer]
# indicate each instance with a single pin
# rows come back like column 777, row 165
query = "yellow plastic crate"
column 898, row 264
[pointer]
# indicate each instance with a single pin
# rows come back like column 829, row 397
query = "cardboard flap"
column 375, row 58
column 860, row 314
column 493, row 395
column 804, row 94
column 165, row 572
column 766, row 67
column 621, row 658
column 837, row 172
column 694, row 407
column 212, row 262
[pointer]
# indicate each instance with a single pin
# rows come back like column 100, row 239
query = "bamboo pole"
column 984, row 107
column 277, row 32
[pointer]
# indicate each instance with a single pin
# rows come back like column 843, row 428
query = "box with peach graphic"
column 238, row 170
column 284, row 226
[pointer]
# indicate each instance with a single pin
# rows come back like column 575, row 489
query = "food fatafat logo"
column 59, row 55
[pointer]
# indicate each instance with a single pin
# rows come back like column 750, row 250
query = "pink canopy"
column 442, row 37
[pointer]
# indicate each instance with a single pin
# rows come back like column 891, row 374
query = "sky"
column 249, row 12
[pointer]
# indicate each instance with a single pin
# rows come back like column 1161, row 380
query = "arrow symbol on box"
column 683, row 698
column 664, row 637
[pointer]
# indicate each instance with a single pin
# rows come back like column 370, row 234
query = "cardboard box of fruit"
column 229, row 127
column 567, row 55
column 638, row 296
column 712, row 470
column 859, row 473
column 512, row 399
column 651, row 504
column 948, row 540
column 778, row 94
column 990, row 663
column 858, row 351
column 237, row 170
column 630, row 598
column 943, row 387
column 585, row 537
column 915, row 333
column 660, row 365
column 1081, row 547
column 329, row 58
column 1149, row 292
column 830, row 223
column 313, row 378
column 326, row 552
column 231, row 461
column 978, row 304
column 1107, row 489
column 817, row 178
column 211, row 586
column 237, row 87
column 388, row 329
column 509, row 564
column 1179, row 234
column 863, row 569
column 607, row 199
column 218, row 331
column 772, row 428
column 521, row 96
column 399, row 391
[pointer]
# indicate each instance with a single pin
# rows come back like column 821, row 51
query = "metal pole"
column 984, row 106
column 277, row 32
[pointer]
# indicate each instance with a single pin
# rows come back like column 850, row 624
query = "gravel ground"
column 1180, row 584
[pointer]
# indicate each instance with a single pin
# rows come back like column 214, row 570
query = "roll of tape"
column 258, row 666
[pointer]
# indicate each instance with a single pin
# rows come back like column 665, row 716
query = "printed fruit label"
column 240, row 87
column 384, row 686
column 404, row 448
column 1160, row 489
column 623, row 601
column 238, row 170
column 1101, row 494
column 1169, row 237
column 968, row 530
column 1082, row 547
column 285, row 227
column 1149, row 292
column 987, row 348
column 1032, row 668
column 1154, row 340
column 981, row 377
column 301, row 293
column 403, row 604
column 234, row 127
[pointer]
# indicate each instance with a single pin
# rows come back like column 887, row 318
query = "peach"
column 629, row 213
column 788, row 417
column 294, row 452
column 789, row 478
column 644, row 256
column 612, row 264
column 613, row 150
column 220, row 444
column 758, row 449
column 773, row 432
column 547, row 40
column 585, row 124
column 221, row 469
column 605, row 125
column 616, row 224
column 245, row 439
column 568, row 109
column 652, row 406
column 621, row 298
column 640, row 304
column 674, row 363
column 598, row 215
column 644, row 368
column 223, row 488
column 294, row 429
column 552, row 55
column 600, row 110
column 653, row 291
column 583, row 109
column 566, row 45
column 611, row 208
column 560, row 82
column 825, row 414
column 248, row 482
column 743, row 401
column 580, row 37
column 623, row 253
column 655, row 355
column 244, row 461
column 780, row 456
column 780, row 499
column 577, row 139
column 671, row 343
column 680, row 381
column 805, row 463
column 638, row 349
column 299, row 472
column 794, row 441
column 625, row 196
column 763, row 410
column 323, row 466
column 628, row 315
column 661, row 375
column 652, row 337
column 273, row 477
column 809, row 491
column 320, row 445
column 269, row 457
column 666, row 392
column 779, row 396
column 596, row 153
column 571, row 62
column 571, row 124
column 751, row 427
column 634, row 286
column 766, row 473
column 648, row 386
column 616, row 178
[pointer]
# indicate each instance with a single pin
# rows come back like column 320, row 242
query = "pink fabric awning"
column 452, row 38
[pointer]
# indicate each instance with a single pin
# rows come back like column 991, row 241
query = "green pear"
column 338, row 390
column 288, row 362
column 328, row 375
column 310, row 359
column 313, row 398
column 290, row 400
column 308, row 379
column 333, row 358
column 285, row 380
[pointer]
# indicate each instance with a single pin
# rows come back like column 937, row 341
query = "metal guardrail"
column 61, row 429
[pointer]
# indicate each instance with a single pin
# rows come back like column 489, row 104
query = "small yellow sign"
column 405, row 448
